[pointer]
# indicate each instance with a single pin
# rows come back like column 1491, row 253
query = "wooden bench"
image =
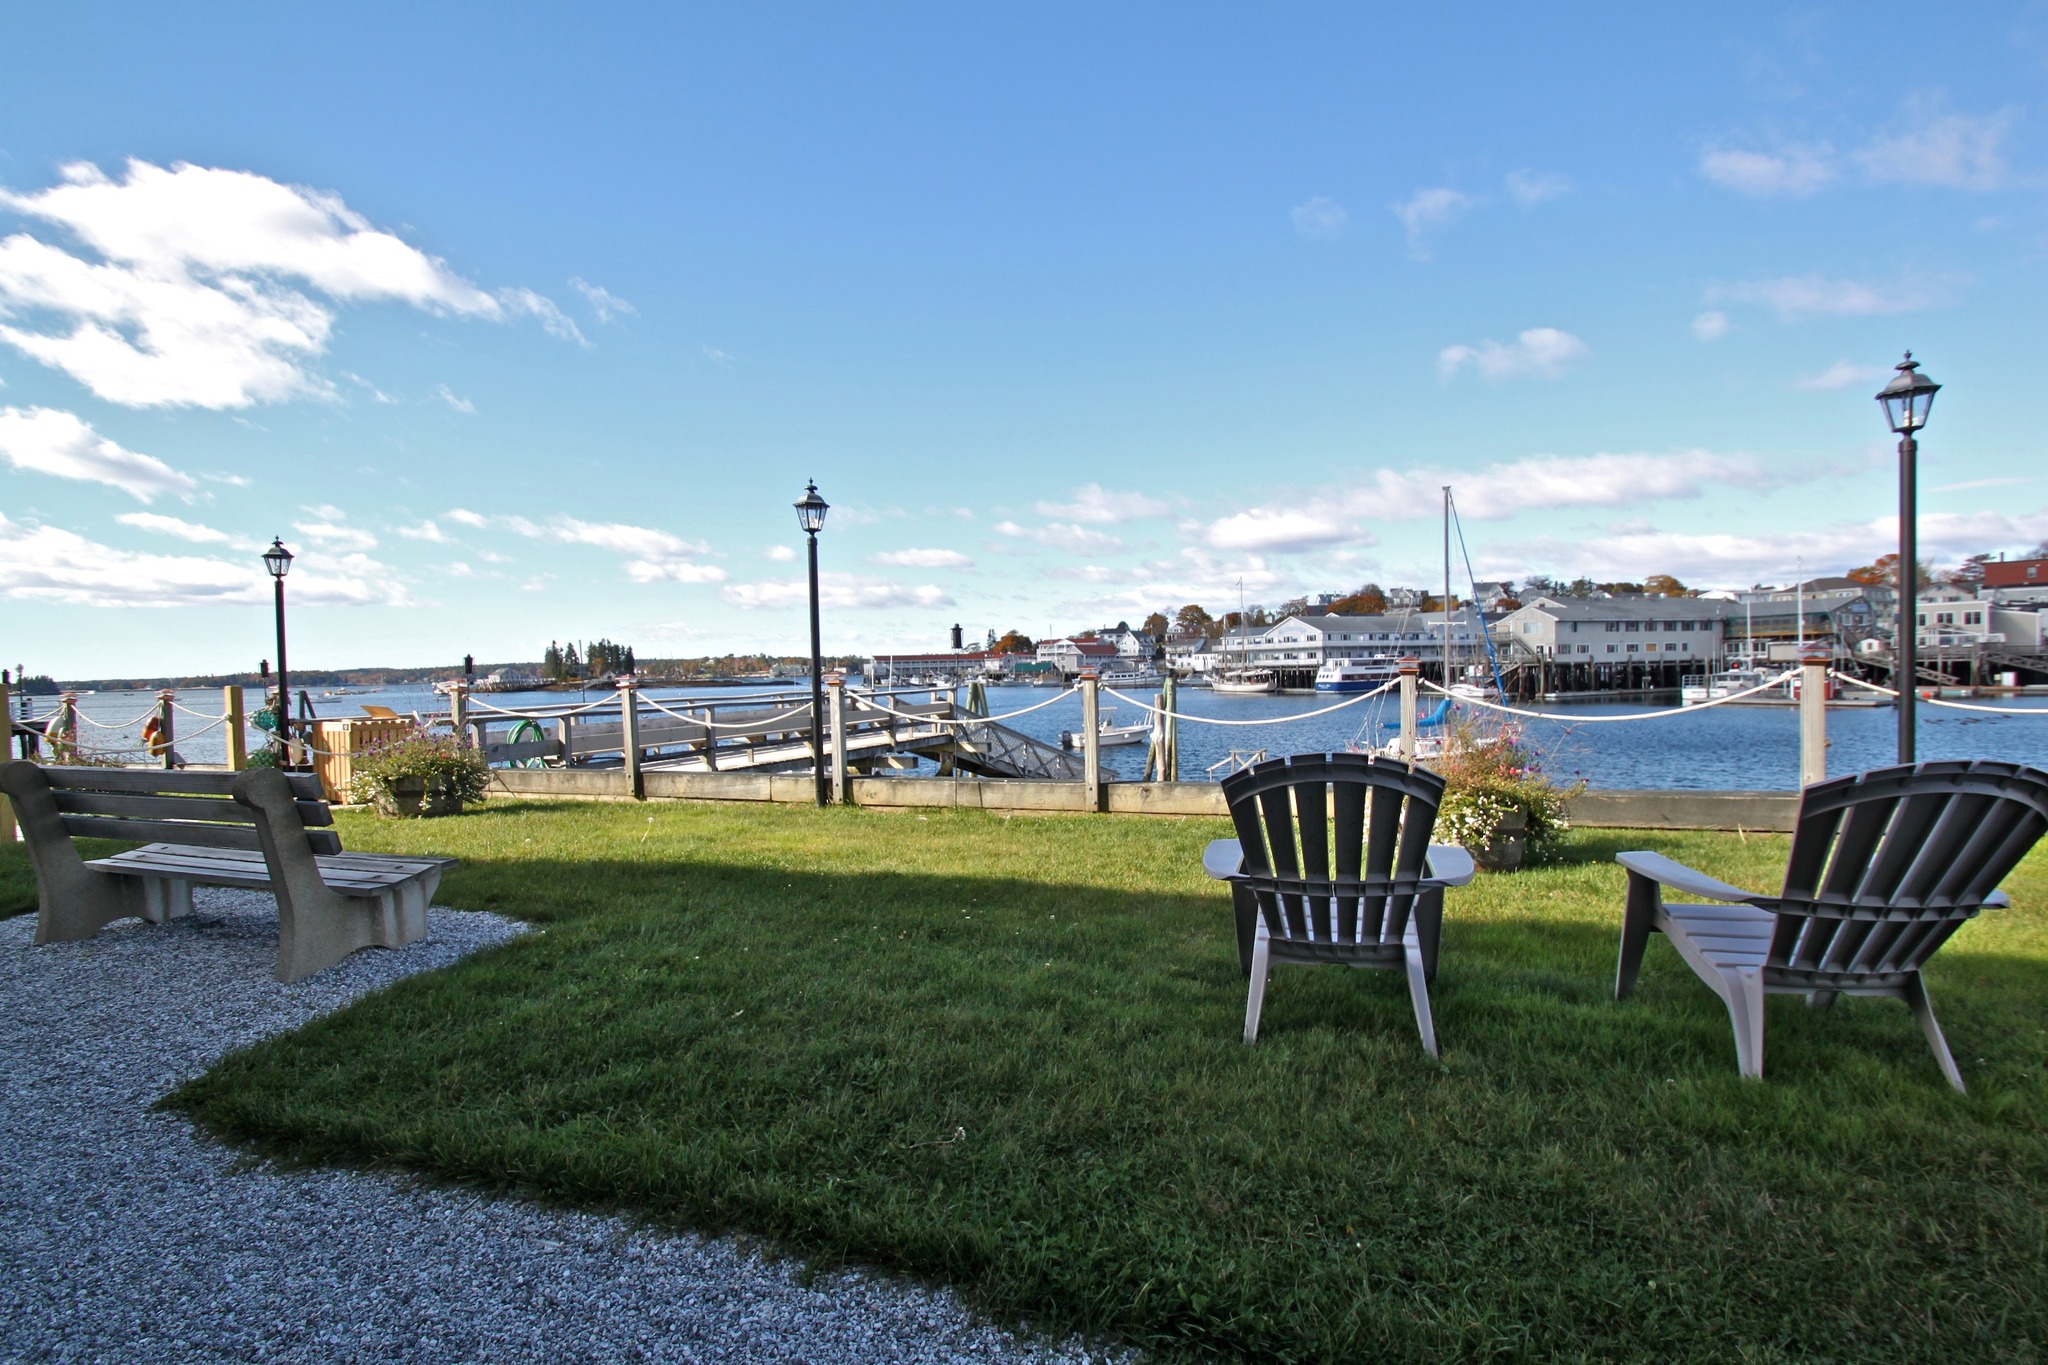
column 261, row 829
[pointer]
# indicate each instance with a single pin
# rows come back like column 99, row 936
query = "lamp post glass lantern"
column 1906, row 402
column 810, row 516
column 278, row 561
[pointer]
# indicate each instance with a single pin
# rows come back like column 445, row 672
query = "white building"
column 1615, row 630
column 1312, row 641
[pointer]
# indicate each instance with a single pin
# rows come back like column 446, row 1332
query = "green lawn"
column 1005, row 1053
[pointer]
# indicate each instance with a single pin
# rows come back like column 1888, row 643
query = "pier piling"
column 234, row 726
column 1091, row 739
column 1411, row 673
column 1813, row 716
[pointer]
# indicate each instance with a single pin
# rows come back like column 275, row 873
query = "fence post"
column 237, row 736
column 166, row 719
column 7, row 835
column 1169, row 765
column 1091, row 739
column 1411, row 669
column 835, row 713
column 1813, row 716
column 66, row 749
column 458, row 711
column 629, row 735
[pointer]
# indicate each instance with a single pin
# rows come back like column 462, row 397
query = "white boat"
column 1243, row 682
column 1108, row 734
column 1130, row 677
column 1696, row 688
column 1356, row 675
column 1474, row 686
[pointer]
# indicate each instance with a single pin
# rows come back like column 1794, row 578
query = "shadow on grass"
column 1037, row 1091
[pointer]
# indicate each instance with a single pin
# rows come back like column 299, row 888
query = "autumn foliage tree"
column 1367, row 601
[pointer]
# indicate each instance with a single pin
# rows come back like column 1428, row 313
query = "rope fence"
column 1379, row 691
column 1764, row 686
column 1893, row 693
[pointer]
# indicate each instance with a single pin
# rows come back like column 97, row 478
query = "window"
column 1588, row 649
column 1973, row 618
column 1612, row 626
column 1632, row 648
column 1632, row 625
column 1944, row 618
column 1651, row 647
column 1610, row 648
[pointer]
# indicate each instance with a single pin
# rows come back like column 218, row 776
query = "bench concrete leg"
column 165, row 899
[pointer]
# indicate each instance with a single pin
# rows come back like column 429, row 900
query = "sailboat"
column 1244, row 681
column 1473, row 684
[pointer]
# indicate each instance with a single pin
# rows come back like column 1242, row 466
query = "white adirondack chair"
column 1884, row 867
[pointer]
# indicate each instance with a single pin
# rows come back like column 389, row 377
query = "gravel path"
column 127, row 1238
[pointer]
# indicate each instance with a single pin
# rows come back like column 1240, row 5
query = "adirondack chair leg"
column 1821, row 1000
column 1915, row 991
column 1745, row 995
column 1638, row 917
column 1244, row 904
column 1418, row 991
column 1256, row 998
column 1429, row 931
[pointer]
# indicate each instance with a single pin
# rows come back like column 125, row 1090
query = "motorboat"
column 1356, row 675
column 1108, row 734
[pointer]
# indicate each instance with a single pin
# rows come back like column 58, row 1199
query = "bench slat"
column 135, row 806
column 171, row 831
column 141, row 807
column 305, row 786
column 354, row 873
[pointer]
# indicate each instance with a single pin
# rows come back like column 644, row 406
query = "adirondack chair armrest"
column 1998, row 900
column 1679, row 877
column 1450, row 865
column 1223, row 859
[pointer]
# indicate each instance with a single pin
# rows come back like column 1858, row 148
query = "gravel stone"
column 128, row 1237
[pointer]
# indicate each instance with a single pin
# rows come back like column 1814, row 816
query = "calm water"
column 1723, row 747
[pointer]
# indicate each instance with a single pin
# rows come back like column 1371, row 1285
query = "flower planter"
column 1501, row 851
column 411, row 798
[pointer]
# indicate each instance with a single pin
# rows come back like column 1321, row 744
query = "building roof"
column 2016, row 573
column 1630, row 608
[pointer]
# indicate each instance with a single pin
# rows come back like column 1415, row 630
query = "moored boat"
column 1356, row 675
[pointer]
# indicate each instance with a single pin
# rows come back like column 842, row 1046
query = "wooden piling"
column 1411, row 672
column 835, row 701
column 235, row 728
column 1813, row 716
column 1091, row 739
column 7, row 834
column 166, row 728
column 629, row 736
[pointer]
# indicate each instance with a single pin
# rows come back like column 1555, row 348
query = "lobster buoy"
column 153, row 738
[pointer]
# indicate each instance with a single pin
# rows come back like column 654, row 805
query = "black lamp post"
column 1906, row 401
column 810, row 515
column 278, row 560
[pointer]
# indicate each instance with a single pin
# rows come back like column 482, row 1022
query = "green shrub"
column 450, row 770
column 1490, row 776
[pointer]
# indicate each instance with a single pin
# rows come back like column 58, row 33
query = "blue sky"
column 529, row 324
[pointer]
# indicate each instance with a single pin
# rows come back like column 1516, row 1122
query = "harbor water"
column 1734, row 748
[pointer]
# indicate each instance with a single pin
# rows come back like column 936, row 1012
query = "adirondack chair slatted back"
column 1335, row 845
column 1886, row 865
column 174, row 807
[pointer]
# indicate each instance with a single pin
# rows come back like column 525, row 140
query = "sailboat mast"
column 1447, row 585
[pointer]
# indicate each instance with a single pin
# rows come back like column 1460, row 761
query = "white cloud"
column 202, row 293
column 1530, row 188
column 426, row 531
column 44, row 562
column 1061, row 536
column 1797, row 297
column 462, row 516
column 1320, row 220
column 1790, row 172
column 1550, row 481
column 49, row 441
column 924, row 559
column 1544, row 352
column 1951, row 150
column 673, row 571
column 1711, row 325
column 836, row 592
column 553, row 321
column 1092, row 502
column 1727, row 558
column 1842, row 374
column 1095, row 573
column 781, row 554
column 603, row 302
column 446, row 395
column 1976, row 483
column 1282, row 529
column 652, row 556
column 173, row 526
column 1426, row 210
column 332, row 534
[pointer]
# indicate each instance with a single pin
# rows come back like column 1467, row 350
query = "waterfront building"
column 2014, row 581
column 1767, row 625
column 1296, row 646
column 1071, row 656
